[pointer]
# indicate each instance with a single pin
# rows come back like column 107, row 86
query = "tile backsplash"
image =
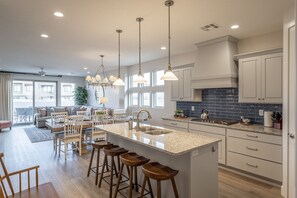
column 223, row 103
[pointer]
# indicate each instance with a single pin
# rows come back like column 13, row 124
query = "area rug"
column 38, row 135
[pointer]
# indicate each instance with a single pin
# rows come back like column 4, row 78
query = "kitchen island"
column 194, row 156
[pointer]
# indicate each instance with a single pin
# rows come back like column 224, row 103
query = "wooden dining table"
column 57, row 128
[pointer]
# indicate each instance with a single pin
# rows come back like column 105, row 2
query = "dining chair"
column 119, row 116
column 72, row 134
column 57, row 117
column 82, row 113
column 95, row 133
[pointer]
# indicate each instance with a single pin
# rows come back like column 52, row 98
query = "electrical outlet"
column 193, row 108
column 261, row 112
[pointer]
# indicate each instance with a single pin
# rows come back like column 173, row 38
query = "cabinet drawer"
column 261, row 150
column 273, row 139
column 176, row 124
column 221, row 145
column 257, row 166
column 209, row 129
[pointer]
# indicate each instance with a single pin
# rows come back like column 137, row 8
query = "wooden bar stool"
column 97, row 145
column 158, row 172
column 132, row 161
column 112, row 151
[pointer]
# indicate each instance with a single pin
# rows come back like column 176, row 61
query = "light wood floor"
column 69, row 177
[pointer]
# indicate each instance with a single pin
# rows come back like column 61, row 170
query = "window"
column 158, row 99
column 29, row 87
column 132, row 84
column 147, row 76
column 67, row 94
column 146, row 99
column 47, row 88
column 17, row 87
column 157, row 78
column 134, row 99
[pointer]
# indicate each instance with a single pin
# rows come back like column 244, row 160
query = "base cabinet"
column 215, row 132
column 176, row 125
column 256, row 153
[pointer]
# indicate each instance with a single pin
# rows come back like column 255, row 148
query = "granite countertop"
column 174, row 143
column 252, row 127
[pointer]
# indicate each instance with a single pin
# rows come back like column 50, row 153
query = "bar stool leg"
column 97, row 165
column 158, row 189
column 135, row 181
column 174, row 188
column 91, row 161
column 131, row 182
column 119, row 180
column 143, row 186
column 150, row 187
column 102, row 171
column 111, row 176
column 114, row 167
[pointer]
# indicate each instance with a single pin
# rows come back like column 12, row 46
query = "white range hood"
column 215, row 66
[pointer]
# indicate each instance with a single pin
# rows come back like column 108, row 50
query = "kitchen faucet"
column 137, row 118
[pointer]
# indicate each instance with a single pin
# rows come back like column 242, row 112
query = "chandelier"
column 101, row 77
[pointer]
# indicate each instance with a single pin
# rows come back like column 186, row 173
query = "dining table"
column 58, row 127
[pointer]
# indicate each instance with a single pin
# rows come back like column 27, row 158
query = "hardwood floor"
column 70, row 180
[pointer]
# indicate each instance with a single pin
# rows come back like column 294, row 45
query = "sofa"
column 44, row 113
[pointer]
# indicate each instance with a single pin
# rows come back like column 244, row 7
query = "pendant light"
column 139, row 79
column 169, row 75
column 119, row 81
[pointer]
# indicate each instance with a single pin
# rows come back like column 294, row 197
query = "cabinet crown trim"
column 258, row 53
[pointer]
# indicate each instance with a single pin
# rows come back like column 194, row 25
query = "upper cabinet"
column 260, row 78
column 181, row 90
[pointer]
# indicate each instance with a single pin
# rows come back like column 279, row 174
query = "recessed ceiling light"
column 85, row 68
column 233, row 27
column 69, row 73
column 58, row 14
column 44, row 35
column 163, row 48
column 88, row 72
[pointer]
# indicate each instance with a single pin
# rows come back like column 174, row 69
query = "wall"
column 223, row 103
column 79, row 81
column 261, row 42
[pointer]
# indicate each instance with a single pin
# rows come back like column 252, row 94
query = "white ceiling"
column 88, row 30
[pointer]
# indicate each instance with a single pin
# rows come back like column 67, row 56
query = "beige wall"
column 261, row 42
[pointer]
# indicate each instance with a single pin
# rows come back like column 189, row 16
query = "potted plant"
column 178, row 113
column 277, row 120
column 81, row 96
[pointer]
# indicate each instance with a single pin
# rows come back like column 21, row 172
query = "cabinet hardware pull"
column 213, row 149
column 253, row 136
column 173, row 123
column 263, row 98
column 259, row 98
column 251, row 165
column 292, row 136
column 253, row 149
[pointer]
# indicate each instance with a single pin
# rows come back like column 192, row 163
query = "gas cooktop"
column 216, row 121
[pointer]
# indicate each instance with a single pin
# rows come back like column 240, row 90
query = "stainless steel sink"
column 157, row 132
column 147, row 128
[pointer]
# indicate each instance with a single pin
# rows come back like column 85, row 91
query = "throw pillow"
column 42, row 112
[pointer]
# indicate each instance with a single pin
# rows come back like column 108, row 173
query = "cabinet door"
column 175, row 87
column 186, row 85
column 272, row 78
column 249, row 80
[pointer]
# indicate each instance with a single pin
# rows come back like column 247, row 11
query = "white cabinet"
column 181, row 90
column 176, row 125
column 211, row 131
column 256, row 153
column 260, row 79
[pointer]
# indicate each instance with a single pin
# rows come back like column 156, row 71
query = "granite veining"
column 252, row 127
column 174, row 143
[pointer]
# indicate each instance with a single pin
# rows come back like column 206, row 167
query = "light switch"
column 261, row 112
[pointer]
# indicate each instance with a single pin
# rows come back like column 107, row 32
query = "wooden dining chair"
column 57, row 117
column 95, row 133
column 72, row 134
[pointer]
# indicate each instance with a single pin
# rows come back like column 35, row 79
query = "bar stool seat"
column 159, row 172
column 97, row 145
column 131, row 160
column 111, row 151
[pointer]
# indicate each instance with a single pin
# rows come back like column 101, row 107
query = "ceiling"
column 88, row 30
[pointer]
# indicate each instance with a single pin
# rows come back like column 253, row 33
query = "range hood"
column 215, row 66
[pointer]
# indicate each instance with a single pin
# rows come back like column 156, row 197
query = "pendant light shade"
column 119, row 81
column 139, row 79
column 169, row 75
